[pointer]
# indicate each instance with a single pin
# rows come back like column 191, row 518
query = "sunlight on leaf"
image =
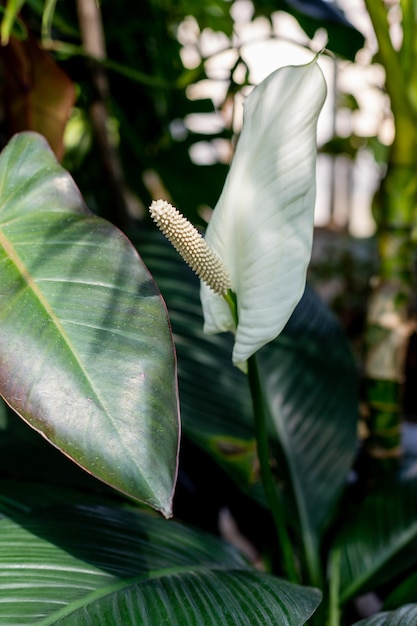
column 87, row 357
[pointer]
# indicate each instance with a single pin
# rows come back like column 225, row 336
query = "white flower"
column 262, row 226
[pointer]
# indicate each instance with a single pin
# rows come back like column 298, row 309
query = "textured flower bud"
column 191, row 246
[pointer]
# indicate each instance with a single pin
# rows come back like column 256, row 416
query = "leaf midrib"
column 114, row 587
column 34, row 288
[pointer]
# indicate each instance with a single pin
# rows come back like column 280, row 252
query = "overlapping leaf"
column 376, row 542
column 107, row 566
column 86, row 352
column 311, row 387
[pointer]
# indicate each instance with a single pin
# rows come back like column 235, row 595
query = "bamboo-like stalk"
column 389, row 323
column 389, row 320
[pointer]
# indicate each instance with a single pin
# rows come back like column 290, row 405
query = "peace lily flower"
column 261, row 231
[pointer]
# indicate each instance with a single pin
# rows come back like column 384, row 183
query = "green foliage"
column 91, row 306
column 87, row 360
column 10, row 16
column 310, row 390
column 148, row 573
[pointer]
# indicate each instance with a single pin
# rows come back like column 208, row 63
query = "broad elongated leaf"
column 405, row 616
column 84, row 565
column 206, row 598
column 40, row 461
column 375, row 544
column 310, row 384
column 86, row 351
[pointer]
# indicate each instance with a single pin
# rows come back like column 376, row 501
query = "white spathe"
column 262, row 226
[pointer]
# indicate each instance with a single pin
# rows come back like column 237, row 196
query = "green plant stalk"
column 334, row 613
column 403, row 149
column 389, row 325
column 47, row 20
column 270, row 487
column 408, row 17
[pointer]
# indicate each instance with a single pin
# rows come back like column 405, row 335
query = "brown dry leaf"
column 37, row 94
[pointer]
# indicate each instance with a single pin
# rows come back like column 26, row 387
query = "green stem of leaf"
column 334, row 589
column 269, row 485
column 231, row 300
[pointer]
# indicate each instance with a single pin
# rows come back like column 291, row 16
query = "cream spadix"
column 262, row 226
column 191, row 246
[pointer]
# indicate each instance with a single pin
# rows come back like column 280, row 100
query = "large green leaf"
column 377, row 541
column 86, row 352
column 310, row 384
column 26, row 456
column 97, row 565
column 405, row 616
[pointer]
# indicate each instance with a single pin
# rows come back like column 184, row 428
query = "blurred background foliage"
column 147, row 94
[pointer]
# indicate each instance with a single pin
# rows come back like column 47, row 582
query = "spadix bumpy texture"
column 191, row 246
column 262, row 226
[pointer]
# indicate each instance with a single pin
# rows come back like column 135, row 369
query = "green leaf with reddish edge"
column 86, row 354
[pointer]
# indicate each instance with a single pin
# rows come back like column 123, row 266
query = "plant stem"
column 334, row 600
column 268, row 482
column 403, row 148
column 389, row 323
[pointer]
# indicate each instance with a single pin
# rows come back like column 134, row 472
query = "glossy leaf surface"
column 376, row 542
column 310, row 383
column 85, row 565
column 86, row 352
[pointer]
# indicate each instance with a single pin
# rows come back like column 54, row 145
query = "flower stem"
column 271, row 492
column 334, row 599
